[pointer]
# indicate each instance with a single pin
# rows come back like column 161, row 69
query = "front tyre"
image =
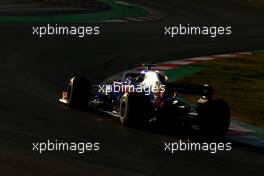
column 78, row 92
column 214, row 117
column 134, row 107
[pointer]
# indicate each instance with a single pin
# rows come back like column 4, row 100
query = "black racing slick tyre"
column 135, row 109
column 214, row 117
column 78, row 92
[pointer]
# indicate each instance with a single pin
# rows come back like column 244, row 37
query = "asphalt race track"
column 34, row 72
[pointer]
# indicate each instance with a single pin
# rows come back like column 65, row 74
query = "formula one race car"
column 145, row 95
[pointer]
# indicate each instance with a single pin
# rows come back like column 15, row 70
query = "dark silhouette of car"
column 147, row 96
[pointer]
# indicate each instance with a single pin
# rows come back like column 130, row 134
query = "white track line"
column 133, row 19
column 145, row 18
column 178, row 62
column 200, row 59
column 163, row 67
column 115, row 21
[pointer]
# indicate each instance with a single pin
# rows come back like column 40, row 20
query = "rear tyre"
column 78, row 92
column 214, row 117
column 134, row 109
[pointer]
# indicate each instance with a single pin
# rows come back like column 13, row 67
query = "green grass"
column 117, row 11
column 254, row 2
column 240, row 81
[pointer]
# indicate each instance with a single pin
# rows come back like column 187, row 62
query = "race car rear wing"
column 193, row 89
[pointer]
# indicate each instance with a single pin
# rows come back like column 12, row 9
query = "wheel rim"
column 69, row 92
column 123, row 109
